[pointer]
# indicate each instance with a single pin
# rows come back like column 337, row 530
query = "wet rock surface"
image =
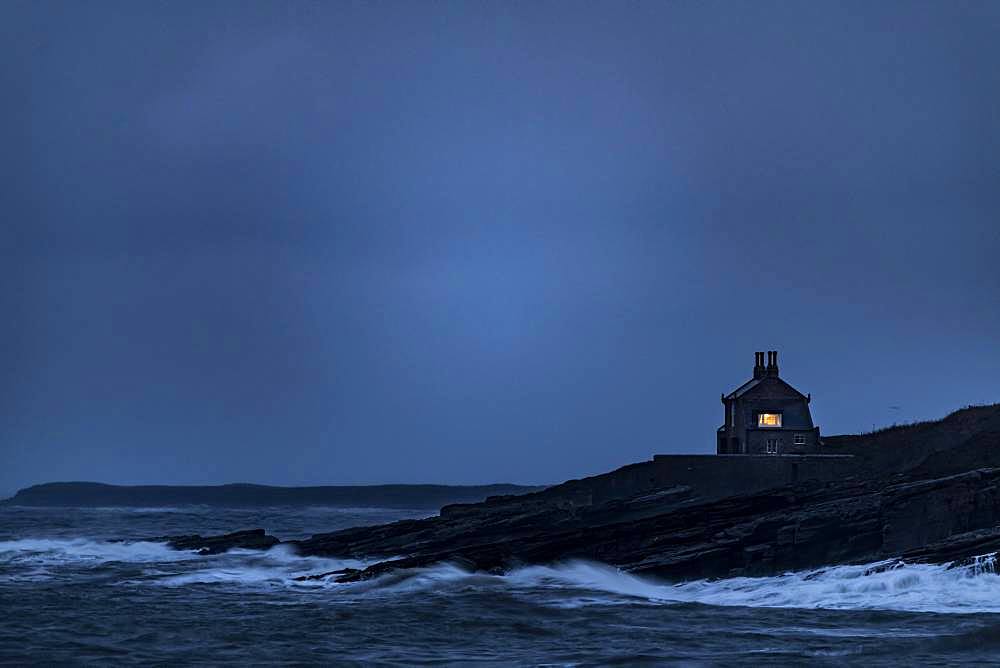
column 793, row 528
column 929, row 514
column 253, row 539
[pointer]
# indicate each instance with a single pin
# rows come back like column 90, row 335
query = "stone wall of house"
column 785, row 437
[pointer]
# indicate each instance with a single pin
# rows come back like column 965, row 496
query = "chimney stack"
column 772, row 362
column 758, row 365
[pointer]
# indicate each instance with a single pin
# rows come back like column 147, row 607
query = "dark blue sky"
column 475, row 242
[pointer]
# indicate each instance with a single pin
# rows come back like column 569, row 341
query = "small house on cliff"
column 766, row 415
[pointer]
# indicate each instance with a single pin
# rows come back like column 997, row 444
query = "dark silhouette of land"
column 927, row 492
column 93, row 494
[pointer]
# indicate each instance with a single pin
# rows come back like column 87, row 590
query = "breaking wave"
column 279, row 566
column 881, row 586
column 82, row 550
column 41, row 559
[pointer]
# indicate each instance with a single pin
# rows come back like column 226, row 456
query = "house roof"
column 744, row 388
column 754, row 382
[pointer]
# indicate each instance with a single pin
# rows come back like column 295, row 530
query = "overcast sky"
column 344, row 242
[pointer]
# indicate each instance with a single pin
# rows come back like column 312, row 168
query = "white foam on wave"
column 430, row 578
column 589, row 576
column 911, row 588
column 277, row 566
column 37, row 559
column 55, row 551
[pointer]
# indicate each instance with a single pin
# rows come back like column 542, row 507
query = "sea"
column 85, row 586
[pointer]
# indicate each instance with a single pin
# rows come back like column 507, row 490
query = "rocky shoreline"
column 938, row 511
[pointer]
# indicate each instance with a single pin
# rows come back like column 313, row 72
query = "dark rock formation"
column 253, row 539
column 798, row 527
column 935, row 512
column 958, row 442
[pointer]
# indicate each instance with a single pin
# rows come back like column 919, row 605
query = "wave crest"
column 878, row 586
column 76, row 550
column 970, row 588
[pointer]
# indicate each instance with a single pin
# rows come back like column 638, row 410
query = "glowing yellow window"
column 769, row 420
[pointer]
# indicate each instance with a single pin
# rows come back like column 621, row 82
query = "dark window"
column 771, row 446
column 799, row 439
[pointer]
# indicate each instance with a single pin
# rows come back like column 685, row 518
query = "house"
column 766, row 415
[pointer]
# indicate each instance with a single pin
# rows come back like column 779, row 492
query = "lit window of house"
column 799, row 439
column 771, row 446
column 769, row 420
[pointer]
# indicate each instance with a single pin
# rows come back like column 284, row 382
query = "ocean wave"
column 39, row 559
column 905, row 587
column 277, row 566
column 880, row 586
column 77, row 550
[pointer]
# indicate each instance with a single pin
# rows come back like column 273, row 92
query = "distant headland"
column 94, row 494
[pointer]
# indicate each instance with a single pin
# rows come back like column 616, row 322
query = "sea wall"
column 706, row 477
column 716, row 476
